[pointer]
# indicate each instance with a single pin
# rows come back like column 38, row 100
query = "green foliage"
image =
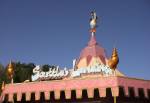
column 46, row 67
column 22, row 72
column 3, row 74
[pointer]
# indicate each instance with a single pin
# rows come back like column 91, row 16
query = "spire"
column 115, row 53
column 92, row 41
column 92, row 52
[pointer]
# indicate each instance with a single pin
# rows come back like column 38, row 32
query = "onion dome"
column 93, row 52
column 114, row 60
column 10, row 70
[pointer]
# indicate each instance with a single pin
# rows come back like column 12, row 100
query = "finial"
column 114, row 54
column 3, row 86
column 10, row 70
column 114, row 60
column 93, row 22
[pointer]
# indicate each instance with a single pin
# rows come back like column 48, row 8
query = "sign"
column 53, row 73
column 97, row 68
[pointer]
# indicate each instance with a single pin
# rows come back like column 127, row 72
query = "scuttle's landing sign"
column 56, row 73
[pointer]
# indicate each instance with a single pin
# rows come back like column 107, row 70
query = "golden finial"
column 114, row 60
column 10, row 70
column 3, row 86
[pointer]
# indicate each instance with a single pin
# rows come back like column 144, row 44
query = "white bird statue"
column 93, row 21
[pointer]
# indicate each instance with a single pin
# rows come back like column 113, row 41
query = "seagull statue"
column 93, row 22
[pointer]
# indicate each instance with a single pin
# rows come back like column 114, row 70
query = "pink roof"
column 75, row 84
column 93, row 50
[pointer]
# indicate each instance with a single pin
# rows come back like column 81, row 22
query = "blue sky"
column 55, row 31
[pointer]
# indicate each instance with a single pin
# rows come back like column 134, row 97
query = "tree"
column 23, row 71
column 46, row 67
